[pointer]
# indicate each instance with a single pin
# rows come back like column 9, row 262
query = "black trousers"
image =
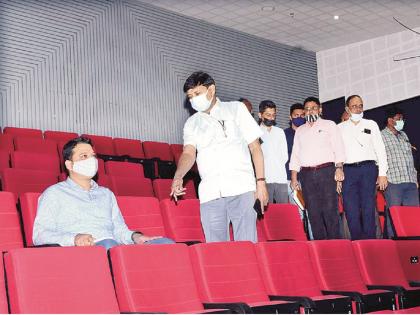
column 319, row 192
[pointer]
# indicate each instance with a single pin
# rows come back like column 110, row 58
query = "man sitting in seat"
column 81, row 213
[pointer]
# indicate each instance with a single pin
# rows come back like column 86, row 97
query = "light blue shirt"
column 65, row 210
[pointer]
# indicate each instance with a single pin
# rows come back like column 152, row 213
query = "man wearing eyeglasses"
column 364, row 168
column 318, row 156
column 402, row 189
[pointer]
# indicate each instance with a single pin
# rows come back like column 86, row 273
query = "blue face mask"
column 298, row 121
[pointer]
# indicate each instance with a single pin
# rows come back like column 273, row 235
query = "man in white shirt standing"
column 364, row 168
column 274, row 147
column 223, row 136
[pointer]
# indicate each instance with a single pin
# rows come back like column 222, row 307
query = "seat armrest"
column 414, row 283
column 393, row 288
column 355, row 296
column 304, row 301
column 237, row 308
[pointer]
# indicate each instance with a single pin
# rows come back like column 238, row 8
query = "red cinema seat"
column 260, row 231
column 132, row 186
column 176, row 150
column 101, row 144
column 6, row 143
column 36, row 161
column 228, row 272
column 61, row 280
column 128, row 147
column 10, row 232
column 406, row 220
column 162, row 189
column 163, row 282
column 409, row 253
column 286, row 269
column 104, row 181
column 182, row 220
column 36, row 145
column 283, row 222
column 29, row 206
column 3, row 296
column 126, row 169
column 60, row 135
column 380, row 266
column 159, row 150
column 4, row 161
column 23, row 132
column 337, row 272
column 20, row 181
column 142, row 214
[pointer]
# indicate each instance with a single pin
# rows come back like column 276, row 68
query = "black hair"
column 312, row 99
column 350, row 98
column 266, row 104
column 392, row 111
column 295, row 106
column 196, row 79
column 241, row 99
column 69, row 146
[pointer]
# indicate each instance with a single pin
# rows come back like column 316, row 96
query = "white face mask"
column 87, row 167
column 399, row 125
column 356, row 117
column 200, row 103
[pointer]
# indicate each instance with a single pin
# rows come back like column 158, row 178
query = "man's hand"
column 339, row 174
column 84, row 240
column 339, row 187
column 177, row 189
column 382, row 182
column 262, row 194
column 141, row 239
column 294, row 184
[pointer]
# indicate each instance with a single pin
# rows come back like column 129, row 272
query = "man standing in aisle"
column 318, row 156
column 403, row 187
column 297, row 119
column 224, row 136
column 274, row 147
column 365, row 154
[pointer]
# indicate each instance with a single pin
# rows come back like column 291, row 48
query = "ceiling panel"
column 309, row 24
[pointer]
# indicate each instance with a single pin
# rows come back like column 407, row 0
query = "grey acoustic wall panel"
column 117, row 67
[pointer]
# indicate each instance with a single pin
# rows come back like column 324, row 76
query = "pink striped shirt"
column 317, row 144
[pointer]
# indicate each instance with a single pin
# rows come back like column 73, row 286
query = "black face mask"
column 269, row 122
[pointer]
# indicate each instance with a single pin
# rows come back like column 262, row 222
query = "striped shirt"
column 65, row 210
column 400, row 158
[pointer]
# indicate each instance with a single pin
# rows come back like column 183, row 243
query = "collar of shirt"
column 392, row 133
column 76, row 186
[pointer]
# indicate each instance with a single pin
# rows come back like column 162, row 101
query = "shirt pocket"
column 232, row 130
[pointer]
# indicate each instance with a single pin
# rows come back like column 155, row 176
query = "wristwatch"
column 137, row 232
column 261, row 179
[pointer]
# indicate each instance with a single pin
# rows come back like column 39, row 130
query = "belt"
column 314, row 168
column 358, row 164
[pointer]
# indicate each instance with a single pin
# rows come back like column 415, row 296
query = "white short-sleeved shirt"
column 274, row 148
column 362, row 142
column 221, row 139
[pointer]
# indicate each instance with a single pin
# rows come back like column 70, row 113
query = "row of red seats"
column 179, row 221
column 335, row 276
column 33, row 140
column 19, row 181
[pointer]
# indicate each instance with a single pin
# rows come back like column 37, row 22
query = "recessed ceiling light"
column 336, row 17
column 268, row 8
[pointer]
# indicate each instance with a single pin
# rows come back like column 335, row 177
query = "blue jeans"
column 109, row 243
column 404, row 194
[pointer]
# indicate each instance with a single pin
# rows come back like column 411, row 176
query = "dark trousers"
column 319, row 192
column 359, row 199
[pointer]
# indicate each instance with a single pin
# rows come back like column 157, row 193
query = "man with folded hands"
column 318, row 156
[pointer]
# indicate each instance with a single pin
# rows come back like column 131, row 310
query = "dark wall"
column 333, row 109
